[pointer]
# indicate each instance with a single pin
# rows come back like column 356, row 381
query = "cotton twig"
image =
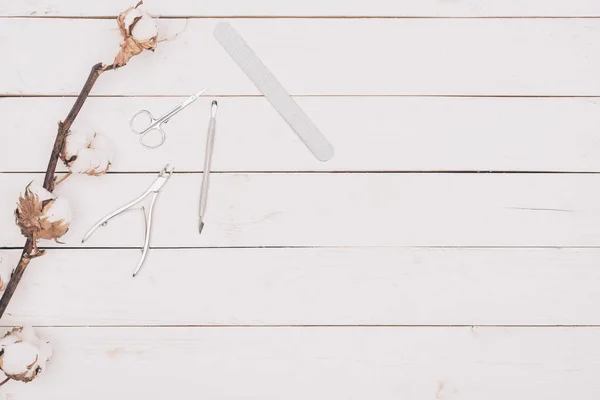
column 29, row 249
column 63, row 178
column 139, row 33
column 42, row 215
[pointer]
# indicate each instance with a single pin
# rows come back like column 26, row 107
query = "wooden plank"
column 537, row 57
column 382, row 134
column 397, row 8
column 357, row 286
column 334, row 210
column 301, row 363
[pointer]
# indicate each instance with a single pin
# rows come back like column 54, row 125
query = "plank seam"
column 176, row 17
column 462, row 326
column 451, row 96
column 268, row 247
column 339, row 172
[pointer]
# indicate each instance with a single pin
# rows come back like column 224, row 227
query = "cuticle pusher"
column 210, row 142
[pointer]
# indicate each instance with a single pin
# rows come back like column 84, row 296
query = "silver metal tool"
column 153, row 190
column 150, row 124
column 264, row 80
column 210, row 142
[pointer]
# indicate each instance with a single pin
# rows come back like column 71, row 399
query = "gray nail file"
column 264, row 80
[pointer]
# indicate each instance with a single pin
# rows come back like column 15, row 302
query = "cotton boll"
column 141, row 26
column 145, row 29
column 130, row 15
column 40, row 192
column 41, row 215
column 86, row 153
column 60, row 210
column 101, row 143
column 23, row 355
column 91, row 163
column 75, row 142
column 82, row 163
column 139, row 32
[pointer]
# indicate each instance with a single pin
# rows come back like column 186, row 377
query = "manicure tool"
column 153, row 190
column 146, row 119
column 210, row 142
column 264, row 80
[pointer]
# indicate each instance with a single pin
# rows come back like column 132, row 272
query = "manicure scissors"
column 146, row 119
column 153, row 190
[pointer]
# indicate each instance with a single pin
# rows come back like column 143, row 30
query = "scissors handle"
column 163, row 137
column 151, row 125
column 152, row 122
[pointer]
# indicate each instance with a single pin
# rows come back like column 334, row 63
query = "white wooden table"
column 448, row 251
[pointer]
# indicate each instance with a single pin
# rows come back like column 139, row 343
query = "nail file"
column 264, row 80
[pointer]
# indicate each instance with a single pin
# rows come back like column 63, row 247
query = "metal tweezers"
column 153, row 190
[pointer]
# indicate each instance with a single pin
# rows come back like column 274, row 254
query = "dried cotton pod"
column 23, row 355
column 139, row 33
column 41, row 215
column 87, row 153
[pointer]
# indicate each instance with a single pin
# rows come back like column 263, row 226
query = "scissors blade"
column 192, row 98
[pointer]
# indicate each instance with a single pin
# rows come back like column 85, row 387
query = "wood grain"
column 354, row 286
column 396, row 8
column 333, row 210
column 509, row 57
column 369, row 134
column 300, row 363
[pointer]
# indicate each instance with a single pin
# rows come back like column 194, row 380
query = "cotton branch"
column 63, row 128
column 139, row 33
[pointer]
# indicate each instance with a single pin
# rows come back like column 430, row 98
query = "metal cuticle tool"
column 210, row 142
column 153, row 190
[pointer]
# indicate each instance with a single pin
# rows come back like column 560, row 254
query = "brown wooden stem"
column 64, row 126
column 49, row 183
